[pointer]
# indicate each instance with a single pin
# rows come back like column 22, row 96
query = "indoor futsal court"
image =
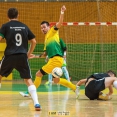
column 89, row 30
column 56, row 101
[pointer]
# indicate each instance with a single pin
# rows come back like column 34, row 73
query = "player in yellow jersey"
column 53, row 50
column 64, row 66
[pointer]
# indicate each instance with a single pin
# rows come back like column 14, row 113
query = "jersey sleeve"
column 100, row 75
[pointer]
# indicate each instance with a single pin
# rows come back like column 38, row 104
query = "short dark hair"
column 45, row 22
column 111, row 72
column 12, row 13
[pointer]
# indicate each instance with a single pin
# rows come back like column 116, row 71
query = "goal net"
column 89, row 31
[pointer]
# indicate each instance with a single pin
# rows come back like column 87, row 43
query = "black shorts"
column 15, row 61
column 94, row 87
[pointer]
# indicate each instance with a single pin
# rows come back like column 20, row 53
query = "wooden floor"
column 55, row 104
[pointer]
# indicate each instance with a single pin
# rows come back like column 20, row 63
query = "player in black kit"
column 16, row 53
column 97, row 82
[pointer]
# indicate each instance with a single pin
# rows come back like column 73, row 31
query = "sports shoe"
column 37, row 107
column 77, row 91
column 25, row 94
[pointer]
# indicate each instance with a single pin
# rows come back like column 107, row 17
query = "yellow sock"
column 37, row 81
column 68, row 84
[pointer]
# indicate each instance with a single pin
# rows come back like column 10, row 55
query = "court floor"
column 56, row 101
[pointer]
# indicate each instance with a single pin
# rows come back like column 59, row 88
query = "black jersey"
column 98, row 75
column 17, row 35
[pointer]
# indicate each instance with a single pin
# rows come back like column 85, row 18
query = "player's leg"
column 66, row 73
column 49, row 79
column 6, row 67
column 38, row 77
column 22, row 66
column 58, row 62
column 37, row 82
column 64, row 82
column 32, row 91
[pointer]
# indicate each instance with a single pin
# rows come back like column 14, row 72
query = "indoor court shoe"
column 37, row 107
column 24, row 94
column 77, row 91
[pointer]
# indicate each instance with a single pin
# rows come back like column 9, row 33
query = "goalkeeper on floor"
column 97, row 82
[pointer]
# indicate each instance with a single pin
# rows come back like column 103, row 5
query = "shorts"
column 94, row 87
column 15, row 61
column 56, row 61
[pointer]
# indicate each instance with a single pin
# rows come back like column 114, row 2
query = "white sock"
column 65, row 71
column 50, row 78
column 33, row 93
column 0, row 85
column 115, row 84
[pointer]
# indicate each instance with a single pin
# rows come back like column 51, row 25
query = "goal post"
column 91, row 47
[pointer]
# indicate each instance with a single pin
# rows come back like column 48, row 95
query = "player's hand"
column 63, row 8
column 31, row 56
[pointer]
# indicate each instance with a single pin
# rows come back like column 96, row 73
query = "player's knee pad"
column 115, row 84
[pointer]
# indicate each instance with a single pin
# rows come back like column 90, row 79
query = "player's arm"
column 43, row 55
column 63, row 8
column 81, row 82
column 32, row 47
column 110, row 90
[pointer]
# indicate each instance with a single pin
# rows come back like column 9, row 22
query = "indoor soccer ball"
column 57, row 72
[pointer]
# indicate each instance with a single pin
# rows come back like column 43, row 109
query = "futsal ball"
column 57, row 72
